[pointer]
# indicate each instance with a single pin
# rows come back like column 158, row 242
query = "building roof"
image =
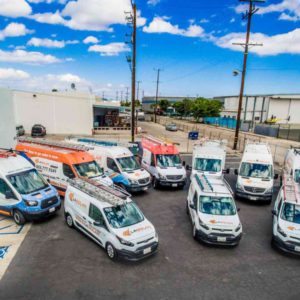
column 279, row 96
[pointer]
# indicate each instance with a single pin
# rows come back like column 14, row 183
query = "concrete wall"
column 60, row 113
column 7, row 120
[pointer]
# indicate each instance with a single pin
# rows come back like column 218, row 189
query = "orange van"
column 60, row 161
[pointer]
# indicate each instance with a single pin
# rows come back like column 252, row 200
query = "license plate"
column 221, row 239
column 174, row 184
column 252, row 198
column 52, row 209
column 145, row 189
column 147, row 250
column 297, row 248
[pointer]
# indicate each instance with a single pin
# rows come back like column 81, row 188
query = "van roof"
column 257, row 153
column 55, row 153
column 212, row 186
column 157, row 146
column 209, row 148
column 291, row 190
column 10, row 164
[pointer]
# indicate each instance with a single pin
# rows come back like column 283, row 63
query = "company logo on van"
column 76, row 201
column 129, row 232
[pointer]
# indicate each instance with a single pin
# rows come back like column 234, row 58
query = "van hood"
column 136, row 232
column 137, row 174
column 42, row 194
column 172, row 171
column 104, row 179
column 255, row 182
column 292, row 229
column 226, row 222
column 211, row 174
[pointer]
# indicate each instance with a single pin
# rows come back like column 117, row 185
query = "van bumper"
column 139, row 253
column 172, row 183
column 288, row 246
column 212, row 239
column 244, row 195
column 138, row 188
column 37, row 215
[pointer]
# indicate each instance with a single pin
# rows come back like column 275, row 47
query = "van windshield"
column 256, row 170
column 223, row 206
column 168, row 160
column 89, row 169
column 207, row 165
column 128, row 163
column 297, row 176
column 291, row 213
column 27, row 182
column 124, row 215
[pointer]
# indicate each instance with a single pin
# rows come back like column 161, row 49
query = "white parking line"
column 11, row 238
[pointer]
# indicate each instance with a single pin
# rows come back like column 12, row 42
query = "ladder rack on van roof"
column 99, row 191
column 297, row 151
column 157, row 141
column 57, row 144
column 204, row 183
column 106, row 143
column 7, row 153
column 290, row 189
column 207, row 187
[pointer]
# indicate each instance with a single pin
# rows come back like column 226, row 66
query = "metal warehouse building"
column 259, row 108
column 60, row 112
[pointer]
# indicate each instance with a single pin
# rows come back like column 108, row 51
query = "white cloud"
column 162, row 25
column 289, row 9
column 47, row 1
column 14, row 30
column 48, row 43
column 286, row 43
column 91, row 40
column 49, row 18
column 202, row 21
column 64, row 78
column 14, row 8
column 232, row 20
column 153, row 2
column 112, row 49
column 22, row 56
column 10, row 73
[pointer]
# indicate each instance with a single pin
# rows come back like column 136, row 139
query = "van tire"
column 69, row 220
column 155, row 183
column 111, row 251
column 19, row 217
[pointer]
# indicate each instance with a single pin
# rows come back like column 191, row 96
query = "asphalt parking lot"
column 55, row 262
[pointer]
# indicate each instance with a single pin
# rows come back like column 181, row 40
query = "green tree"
column 163, row 104
column 206, row 108
column 184, row 107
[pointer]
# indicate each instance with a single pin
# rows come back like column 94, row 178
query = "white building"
column 259, row 108
column 60, row 112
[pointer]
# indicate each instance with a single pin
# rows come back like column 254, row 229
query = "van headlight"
column 239, row 186
column 238, row 228
column 31, row 202
column 132, row 181
column 161, row 176
column 124, row 242
column 269, row 191
column 279, row 229
column 203, row 225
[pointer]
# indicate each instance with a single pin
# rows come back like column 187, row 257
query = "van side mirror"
column 236, row 172
column 192, row 206
column 274, row 212
column 10, row 195
column 276, row 176
column 226, row 171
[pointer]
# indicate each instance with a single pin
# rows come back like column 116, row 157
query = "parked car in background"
column 38, row 130
column 171, row 127
column 20, row 130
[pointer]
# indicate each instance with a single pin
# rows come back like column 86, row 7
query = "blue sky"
column 47, row 44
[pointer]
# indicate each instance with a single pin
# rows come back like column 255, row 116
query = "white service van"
column 211, row 207
column 286, row 216
column 24, row 193
column 256, row 173
column 209, row 158
column 111, row 219
column 119, row 163
column 292, row 164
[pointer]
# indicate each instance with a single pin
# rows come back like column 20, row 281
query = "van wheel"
column 111, row 251
column 155, row 183
column 69, row 220
column 19, row 217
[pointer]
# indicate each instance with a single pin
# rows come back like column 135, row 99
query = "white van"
column 209, row 158
column 212, row 210
column 286, row 216
column 292, row 164
column 119, row 162
column 111, row 219
column 24, row 193
column 256, row 173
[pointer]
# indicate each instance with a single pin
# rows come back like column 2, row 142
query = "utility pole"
column 248, row 15
column 156, row 96
column 121, row 96
column 117, row 95
column 127, row 94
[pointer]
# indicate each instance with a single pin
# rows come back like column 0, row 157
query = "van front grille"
column 49, row 202
column 255, row 190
